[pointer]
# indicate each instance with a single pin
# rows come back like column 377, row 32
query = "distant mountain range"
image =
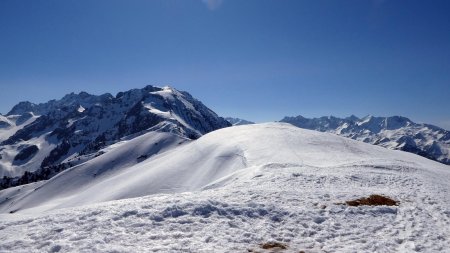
column 394, row 132
column 39, row 140
column 238, row 121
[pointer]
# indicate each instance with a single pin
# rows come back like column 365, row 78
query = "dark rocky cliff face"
column 26, row 153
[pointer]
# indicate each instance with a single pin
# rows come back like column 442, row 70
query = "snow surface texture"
column 66, row 130
column 238, row 122
column 235, row 189
column 390, row 132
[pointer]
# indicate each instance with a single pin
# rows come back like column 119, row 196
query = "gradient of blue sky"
column 255, row 59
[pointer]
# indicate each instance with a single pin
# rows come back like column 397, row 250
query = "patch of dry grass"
column 373, row 200
column 273, row 245
column 270, row 247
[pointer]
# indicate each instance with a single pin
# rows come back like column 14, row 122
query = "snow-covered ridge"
column 208, row 162
column 83, row 99
column 61, row 132
column 394, row 132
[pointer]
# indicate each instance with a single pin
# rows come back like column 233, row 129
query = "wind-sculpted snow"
column 391, row 132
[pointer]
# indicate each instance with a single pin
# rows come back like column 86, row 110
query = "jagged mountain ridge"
column 62, row 133
column 238, row 121
column 394, row 132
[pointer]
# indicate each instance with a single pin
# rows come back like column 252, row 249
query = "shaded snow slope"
column 394, row 132
column 69, row 187
column 237, row 188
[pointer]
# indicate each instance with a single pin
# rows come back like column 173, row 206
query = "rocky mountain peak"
column 78, row 125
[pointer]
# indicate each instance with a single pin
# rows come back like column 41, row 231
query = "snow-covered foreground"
column 237, row 188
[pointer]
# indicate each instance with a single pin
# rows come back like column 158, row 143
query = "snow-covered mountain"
column 39, row 140
column 238, row 121
column 390, row 132
column 237, row 189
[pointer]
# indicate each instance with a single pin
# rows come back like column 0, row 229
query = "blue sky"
column 255, row 59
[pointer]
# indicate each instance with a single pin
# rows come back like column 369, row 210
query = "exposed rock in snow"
column 238, row 122
column 4, row 122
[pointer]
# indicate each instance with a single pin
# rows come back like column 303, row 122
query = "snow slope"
column 68, row 186
column 234, row 189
